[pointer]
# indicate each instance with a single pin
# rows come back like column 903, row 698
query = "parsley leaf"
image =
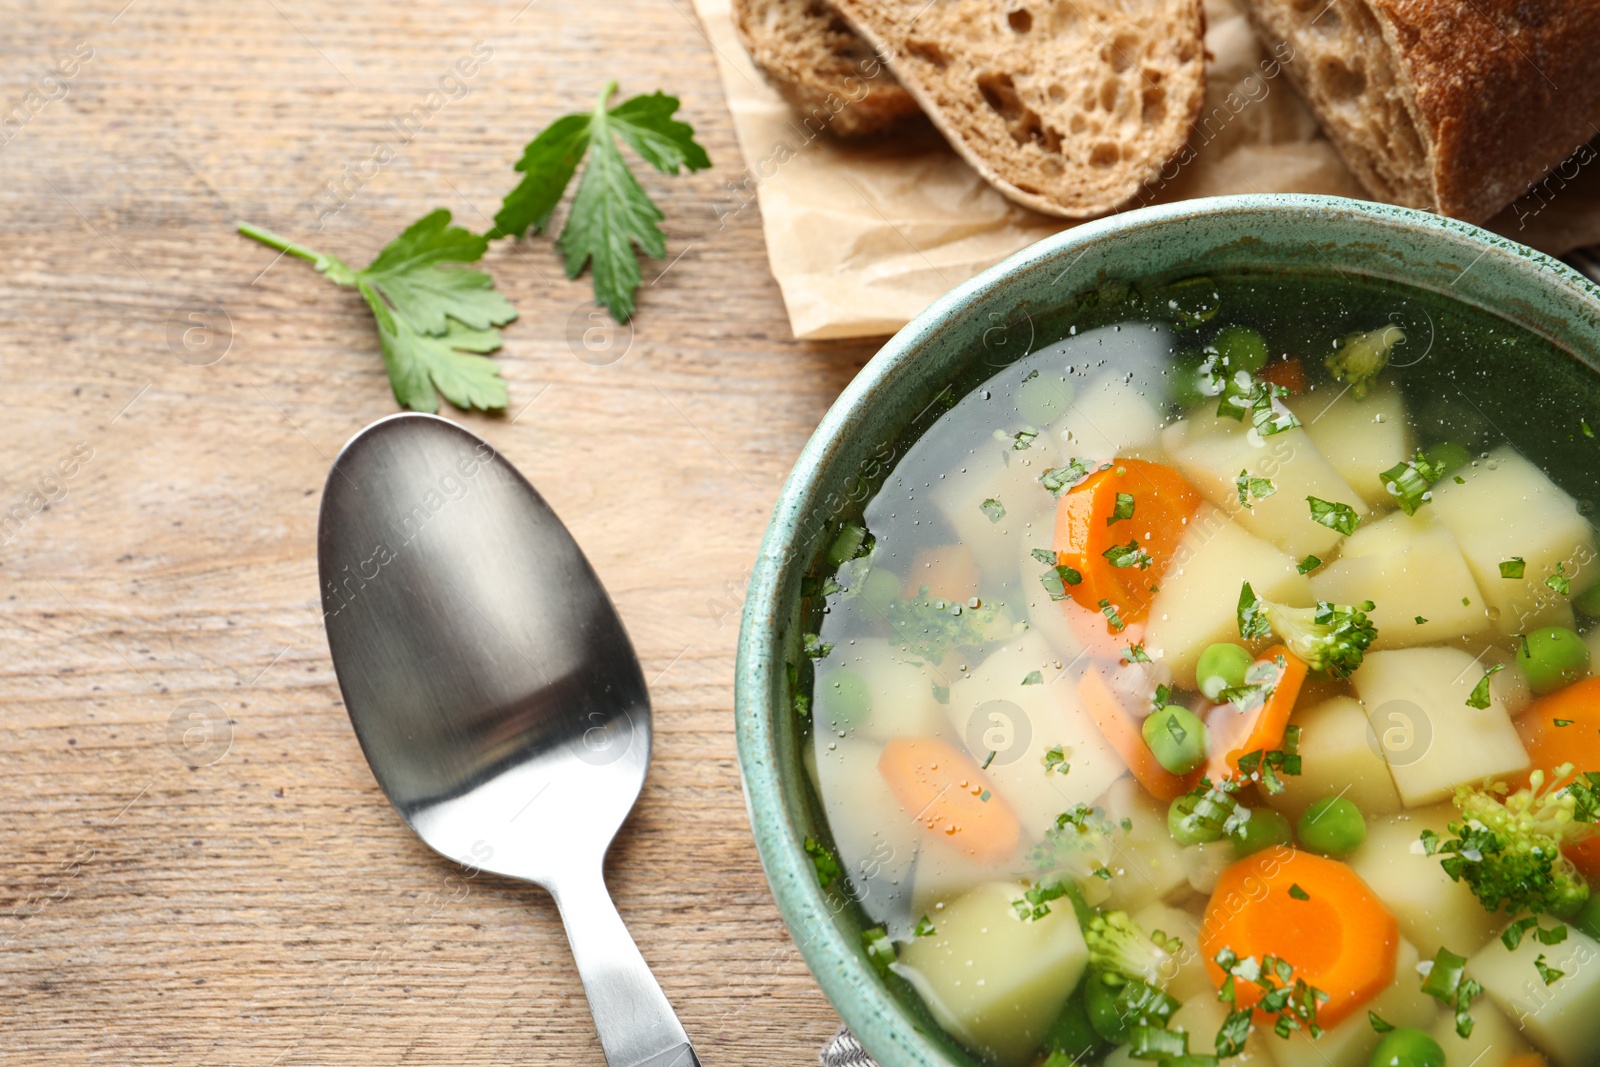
column 434, row 321
column 1333, row 515
column 1297, row 893
column 1307, row 565
column 1128, row 555
column 924, row 928
column 1408, row 482
column 1558, row 582
column 1260, row 488
column 1033, row 678
column 1059, row 479
column 1479, row 697
column 993, row 509
column 1515, row 567
column 611, row 214
column 1123, row 509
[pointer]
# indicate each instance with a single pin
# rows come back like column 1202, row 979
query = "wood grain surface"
column 267, row 907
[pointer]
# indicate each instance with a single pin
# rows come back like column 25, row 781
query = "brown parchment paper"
column 861, row 237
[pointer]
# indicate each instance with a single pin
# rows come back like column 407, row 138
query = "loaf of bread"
column 821, row 66
column 1066, row 108
column 1455, row 106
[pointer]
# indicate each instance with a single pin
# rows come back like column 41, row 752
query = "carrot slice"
column 1236, row 733
column 944, row 791
column 1088, row 526
column 1340, row 938
column 1288, row 373
column 1578, row 742
column 1121, row 730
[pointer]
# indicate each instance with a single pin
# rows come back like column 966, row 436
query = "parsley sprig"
column 611, row 214
column 435, row 318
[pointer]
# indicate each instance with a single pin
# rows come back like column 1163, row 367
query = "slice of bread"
column 1068, row 107
column 821, row 66
column 1455, row 106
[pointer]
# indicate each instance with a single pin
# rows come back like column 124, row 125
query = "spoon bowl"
column 493, row 689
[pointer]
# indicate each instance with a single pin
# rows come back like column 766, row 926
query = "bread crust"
column 1496, row 92
column 822, row 67
column 1069, row 109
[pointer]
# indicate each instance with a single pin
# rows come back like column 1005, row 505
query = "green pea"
column 1193, row 382
column 1333, row 826
column 1239, row 348
column 1406, row 1047
column 1222, row 666
column 1186, row 827
column 843, row 696
column 1588, row 920
column 1263, row 830
column 1044, row 398
column 1552, row 658
column 1177, row 738
column 879, row 589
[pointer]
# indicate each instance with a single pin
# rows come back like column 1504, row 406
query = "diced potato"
column 1146, row 864
column 1202, row 1015
column 1425, row 691
column 1211, row 452
column 876, row 840
column 1198, row 602
column 999, row 472
column 995, row 707
column 1506, row 507
column 993, row 980
column 1046, row 617
column 1188, row 978
column 1493, row 1041
column 1350, row 1044
column 1409, row 567
column 1110, row 418
column 899, row 688
column 1432, row 910
column 1207, row 862
column 1339, row 757
column 1361, row 438
column 1560, row 1018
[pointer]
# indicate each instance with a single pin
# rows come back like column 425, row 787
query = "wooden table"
column 267, row 906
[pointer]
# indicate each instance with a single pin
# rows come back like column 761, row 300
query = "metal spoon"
column 493, row 689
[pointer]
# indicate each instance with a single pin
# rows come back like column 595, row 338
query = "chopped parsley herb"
column 1022, row 440
column 1123, row 509
column 1113, row 618
column 880, row 950
column 1479, row 697
column 1248, row 487
column 1307, row 565
column 1263, row 400
column 1547, row 972
column 989, row 759
column 1447, row 982
column 1333, row 515
column 1558, row 582
column 984, row 796
column 1297, row 893
column 924, row 927
column 1035, row 903
column 1583, row 424
column 1128, row 555
column 815, row 647
column 1561, row 722
column 1059, row 479
column 1058, row 577
column 1033, row 678
column 1163, row 697
column 1409, row 480
column 1235, row 1029
column 1515, row 567
column 1253, row 624
column 1378, row 1025
column 825, row 862
column 1512, row 937
column 1266, row 766
column 802, row 705
column 1055, row 762
column 993, row 508
column 930, row 626
column 1460, row 480
column 1136, row 654
column 1421, row 621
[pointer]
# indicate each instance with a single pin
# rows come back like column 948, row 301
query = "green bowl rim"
column 863, row 1001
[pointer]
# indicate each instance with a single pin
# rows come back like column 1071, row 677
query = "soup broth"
column 1210, row 677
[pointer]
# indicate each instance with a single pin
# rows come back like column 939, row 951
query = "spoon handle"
column 637, row 1026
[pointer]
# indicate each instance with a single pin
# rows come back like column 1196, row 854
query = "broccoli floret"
column 1507, row 848
column 1117, row 944
column 1361, row 357
column 1328, row 637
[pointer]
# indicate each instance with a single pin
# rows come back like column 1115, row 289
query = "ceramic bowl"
column 849, row 448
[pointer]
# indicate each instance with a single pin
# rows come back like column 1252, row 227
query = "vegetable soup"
column 1208, row 681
